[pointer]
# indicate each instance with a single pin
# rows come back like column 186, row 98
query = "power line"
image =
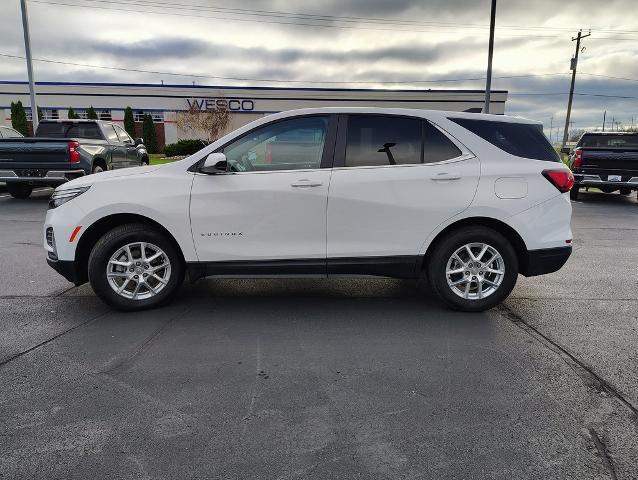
column 261, row 20
column 340, row 18
column 157, row 72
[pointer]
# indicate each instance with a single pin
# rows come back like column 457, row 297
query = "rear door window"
column 110, row 134
column 69, row 130
column 521, row 139
column 379, row 140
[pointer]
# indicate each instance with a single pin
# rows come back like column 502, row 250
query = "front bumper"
column 589, row 180
column 66, row 268
column 545, row 260
column 50, row 177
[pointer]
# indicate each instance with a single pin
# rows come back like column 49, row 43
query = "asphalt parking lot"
column 323, row 379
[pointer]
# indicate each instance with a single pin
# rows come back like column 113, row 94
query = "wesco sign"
column 232, row 104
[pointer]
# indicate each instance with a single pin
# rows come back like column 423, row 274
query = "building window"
column 104, row 115
column 50, row 114
column 138, row 115
column 82, row 114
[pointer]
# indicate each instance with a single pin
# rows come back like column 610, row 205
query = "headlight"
column 62, row 196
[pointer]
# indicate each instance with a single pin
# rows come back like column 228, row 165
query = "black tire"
column 443, row 251
column 625, row 191
column 98, row 168
column 573, row 193
column 144, row 162
column 118, row 238
column 19, row 190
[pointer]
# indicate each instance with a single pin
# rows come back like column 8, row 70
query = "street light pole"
column 27, row 48
column 490, row 54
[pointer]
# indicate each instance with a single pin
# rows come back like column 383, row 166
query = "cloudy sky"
column 418, row 44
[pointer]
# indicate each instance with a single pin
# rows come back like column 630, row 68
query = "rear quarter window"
column 521, row 139
column 69, row 130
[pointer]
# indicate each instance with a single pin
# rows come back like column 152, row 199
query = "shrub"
column 149, row 135
column 72, row 114
column 129, row 122
column 183, row 147
column 19, row 118
column 91, row 114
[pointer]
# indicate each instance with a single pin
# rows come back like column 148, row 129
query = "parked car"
column 605, row 160
column 467, row 200
column 8, row 132
column 66, row 149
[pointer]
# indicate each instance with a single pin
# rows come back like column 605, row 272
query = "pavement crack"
column 586, row 372
column 121, row 365
column 604, row 454
column 10, row 358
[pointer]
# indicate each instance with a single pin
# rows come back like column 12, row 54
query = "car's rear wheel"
column 625, row 191
column 19, row 190
column 135, row 267
column 473, row 269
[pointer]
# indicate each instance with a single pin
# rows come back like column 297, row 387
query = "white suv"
column 466, row 200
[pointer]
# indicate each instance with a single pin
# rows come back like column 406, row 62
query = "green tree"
column 72, row 114
column 149, row 135
column 129, row 122
column 19, row 118
column 91, row 114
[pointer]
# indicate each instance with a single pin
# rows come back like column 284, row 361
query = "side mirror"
column 139, row 141
column 215, row 163
column 566, row 150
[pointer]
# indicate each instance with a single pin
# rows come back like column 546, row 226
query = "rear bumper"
column 66, row 268
column 51, row 177
column 545, row 260
column 589, row 180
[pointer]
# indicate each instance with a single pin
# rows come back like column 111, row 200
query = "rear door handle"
column 446, row 176
column 305, row 183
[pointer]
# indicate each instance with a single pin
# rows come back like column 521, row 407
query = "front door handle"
column 446, row 176
column 305, row 183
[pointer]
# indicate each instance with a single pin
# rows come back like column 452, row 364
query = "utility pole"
column 551, row 128
column 27, row 48
column 604, row 118
column 574, row 64
column 490, row 55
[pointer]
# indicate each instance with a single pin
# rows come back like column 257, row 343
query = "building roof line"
column 229, row 87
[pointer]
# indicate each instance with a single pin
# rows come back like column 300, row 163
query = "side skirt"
column 404, row 266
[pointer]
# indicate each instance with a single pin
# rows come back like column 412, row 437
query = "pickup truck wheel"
column 144, row 162
column 473, row 269
column 19, row 190
column 625, row 191
column 134, row 267
column 573, row 193
column 97, row 168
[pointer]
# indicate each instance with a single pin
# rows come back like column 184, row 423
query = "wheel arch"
column 501, row 227
column 95, row 231
column 99, row 161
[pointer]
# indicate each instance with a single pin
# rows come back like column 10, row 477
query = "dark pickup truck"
column 605, row 160
column 66, row 149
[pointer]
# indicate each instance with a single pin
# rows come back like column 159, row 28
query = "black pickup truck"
column 605, row 160
column 66, row 149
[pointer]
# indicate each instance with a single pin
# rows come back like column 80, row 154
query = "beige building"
column 162, row 101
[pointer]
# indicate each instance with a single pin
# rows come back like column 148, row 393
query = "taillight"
column 578, row 158
column 563, row 180
column 74, row 154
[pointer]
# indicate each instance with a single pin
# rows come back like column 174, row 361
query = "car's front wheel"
column 473, row 269
column 135, row 267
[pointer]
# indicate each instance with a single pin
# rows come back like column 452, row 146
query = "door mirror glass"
column 215, row 163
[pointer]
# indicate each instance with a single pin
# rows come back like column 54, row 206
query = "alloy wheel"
column 475, row 271
column 138, row 270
